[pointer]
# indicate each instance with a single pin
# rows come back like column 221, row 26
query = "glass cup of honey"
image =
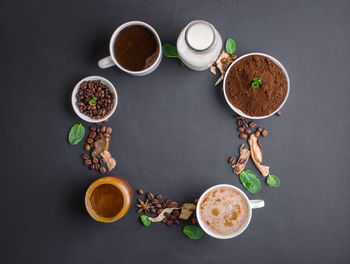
column 108, row 199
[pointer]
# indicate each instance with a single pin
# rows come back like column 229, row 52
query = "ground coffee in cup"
column 136, row 48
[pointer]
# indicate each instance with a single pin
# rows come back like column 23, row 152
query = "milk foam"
column 224, row 211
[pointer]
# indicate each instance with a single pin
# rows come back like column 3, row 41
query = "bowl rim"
column 74, row 99
column 238, row 111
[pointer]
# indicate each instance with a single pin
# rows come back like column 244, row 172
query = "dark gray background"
column 172, row 133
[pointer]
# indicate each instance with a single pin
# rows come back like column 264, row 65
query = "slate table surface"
column 172, row 133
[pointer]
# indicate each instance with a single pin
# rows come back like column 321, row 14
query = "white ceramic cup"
column 111, row 60
column 74, row 98
column 239, row 112
column 251, row 203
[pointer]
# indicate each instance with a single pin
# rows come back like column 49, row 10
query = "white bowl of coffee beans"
column 94, row 99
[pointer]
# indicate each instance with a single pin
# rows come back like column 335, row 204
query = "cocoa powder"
column 262, row 100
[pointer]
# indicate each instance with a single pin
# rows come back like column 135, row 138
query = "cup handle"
column 256, row 204
column 106, row 62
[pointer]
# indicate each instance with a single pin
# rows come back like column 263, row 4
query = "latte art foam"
column 224, row 211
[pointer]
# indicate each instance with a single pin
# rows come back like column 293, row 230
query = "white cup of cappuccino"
column 224, row 211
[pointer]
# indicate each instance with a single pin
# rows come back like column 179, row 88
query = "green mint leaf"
column 250, row 181
column 255, row 85
column 273, row 181
column 230, row 46
column 76, row 134
column 93, row 100
column 170, row 51
column 145, row 221
column 193, row 232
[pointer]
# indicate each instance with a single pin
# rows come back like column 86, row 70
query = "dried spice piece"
column 213, row 69
column 222, row 62
column 242, row 161
column 110, row 161
column 160, row 217
column 99, row 146
column 257, row 154
column 187, row 210
column 144, row 206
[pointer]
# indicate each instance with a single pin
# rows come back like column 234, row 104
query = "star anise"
column 144, row 206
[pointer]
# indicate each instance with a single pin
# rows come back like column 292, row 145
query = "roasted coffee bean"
column 259, row 129
column 159, row 196
column 92, row 145
column 92, row 128
column 232, row 160
column 252, row 124
column 95, row 160
column 158, row 205
column 245, row 126
column 176, row 213
column 92, row 134
column 149, row 196
column 194, row 221
column 173, row 217
column 92, row 167
column 247, row 131
column 99, row 123
column 85, row 156
column 174, row 205
column 102, row 170
column 97, row 166
column 195, row 201
column 98, row 130
column 159, row 211
column 243, row 136
column 87, row 147
column 264, row 133
column 87, row 162
column 257, row 133
column 100, row 135
column 168, row 201
column 102, row 161
column 164, row 205
column 170, row 222
column 166, row 214
column 89, row 140
column 177, row 222
column 106, row 135
column 109, row 130
column 239, row 122
column 279, row 113
column 240, row 129
column 153, row 211
column 96, row 138
column 103, row 129
column 139, row 191
column 155, row 201
column 165, row 220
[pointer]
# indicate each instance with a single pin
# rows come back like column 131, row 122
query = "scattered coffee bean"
column 85, row 156
column 247, row 131
column 176, row 213
column 177, row 222
column 239, row 122
column 159, row 196
column 264, row 133
column 164, row 205
column 89, row 140
column 155, row 201
column 92, row 134
column 232, row 160
column 170, row 222
column 92, row 128
column 97, row 166
column 98, row 123
column 174, row 205
column 159, row 211
column 100, row 135
column 165, row 220
column 245, row 126
column 194, row 221
column 240, row 129
column 257, row 133
column 87, row 147
column 173, row 217
column 106, row 135
column 103, row 129
column 158, row 206
column 92, row 167
column 153, row 211
column 167, row 202
column 139, row 191
column 102, row 170
column 149, row 196
column 243, row 136
column 195, row 201
column 166, row 214
column 102, row 161
column 87, row 162
column 252, row 124
column 98, row 130
column 95, row 160
column 109, row 130
column 259, row 129
column 92, row 146
column 279, row 113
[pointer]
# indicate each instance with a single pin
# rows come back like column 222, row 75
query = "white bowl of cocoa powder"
column 259, row 102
